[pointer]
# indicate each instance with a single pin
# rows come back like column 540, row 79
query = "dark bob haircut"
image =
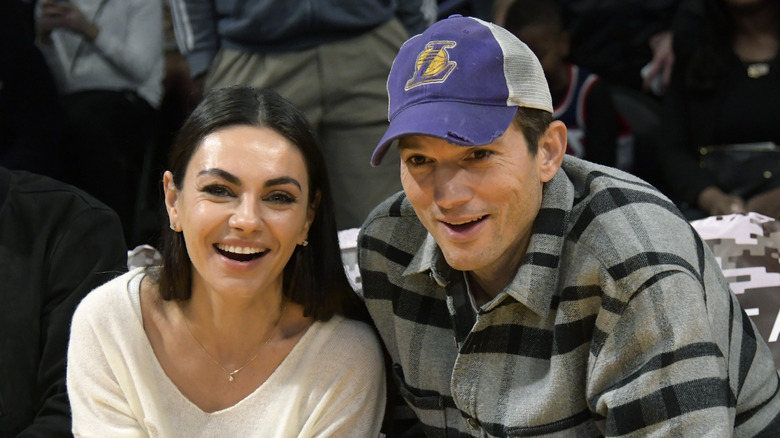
column 314, row 276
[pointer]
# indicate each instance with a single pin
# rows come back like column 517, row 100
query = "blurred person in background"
column 721, row 154
column 581, row 100
column 30, row 118
column 108, row 62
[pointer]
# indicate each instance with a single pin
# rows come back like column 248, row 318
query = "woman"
column 243, row 330
column 721, row 156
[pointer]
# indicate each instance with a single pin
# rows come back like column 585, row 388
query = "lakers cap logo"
column 433, row 64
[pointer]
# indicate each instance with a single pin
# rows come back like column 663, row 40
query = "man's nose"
column 452, row 187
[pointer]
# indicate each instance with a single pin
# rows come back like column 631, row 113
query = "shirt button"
column 473, row 423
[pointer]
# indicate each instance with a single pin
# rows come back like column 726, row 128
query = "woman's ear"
column 552, row 148
column 311, row 213
column 171, row 196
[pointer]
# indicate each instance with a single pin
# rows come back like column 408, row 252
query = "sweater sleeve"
column 100, row 407
column 354, row 402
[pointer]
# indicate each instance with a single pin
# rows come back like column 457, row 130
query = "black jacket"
column 56, row 244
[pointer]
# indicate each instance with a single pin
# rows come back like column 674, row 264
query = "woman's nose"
column 246, row 216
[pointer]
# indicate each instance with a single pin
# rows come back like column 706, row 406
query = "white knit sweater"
column 331, row 383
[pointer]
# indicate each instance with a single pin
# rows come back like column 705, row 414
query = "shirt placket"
column 464, row 321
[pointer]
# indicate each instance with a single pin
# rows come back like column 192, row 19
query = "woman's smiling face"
column 243, row 207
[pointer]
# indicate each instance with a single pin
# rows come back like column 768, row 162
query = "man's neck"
column 485, row 288
column 477, row 292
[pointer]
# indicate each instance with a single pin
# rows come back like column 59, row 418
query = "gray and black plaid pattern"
column 618, row 323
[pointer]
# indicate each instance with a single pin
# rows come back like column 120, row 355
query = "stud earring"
column 173, row 227
column 305, row 242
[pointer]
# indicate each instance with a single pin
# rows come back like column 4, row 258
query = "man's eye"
column 416, row 160
column 480, row 154
column 217, row 190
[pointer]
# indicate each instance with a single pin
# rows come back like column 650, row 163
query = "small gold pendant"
column 230, row 378
column 757, row 70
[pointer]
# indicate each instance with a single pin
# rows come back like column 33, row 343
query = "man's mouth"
column 240, row 253
column 465, row 225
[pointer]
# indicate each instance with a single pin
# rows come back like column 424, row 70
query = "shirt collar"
column 429, row 258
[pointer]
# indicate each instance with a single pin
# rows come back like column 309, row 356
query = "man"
column 56, row 244
column 523, row 292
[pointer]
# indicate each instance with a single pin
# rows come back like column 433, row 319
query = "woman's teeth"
column 239, row 249
column 240, row 253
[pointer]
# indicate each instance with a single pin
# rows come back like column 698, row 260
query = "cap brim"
column 462, row 124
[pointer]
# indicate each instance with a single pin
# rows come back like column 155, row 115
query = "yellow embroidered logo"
column 433, row 64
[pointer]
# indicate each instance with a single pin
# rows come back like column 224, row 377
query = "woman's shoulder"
column 110, row 299
column 343, row 326
column 338, row 352
column 347, row 337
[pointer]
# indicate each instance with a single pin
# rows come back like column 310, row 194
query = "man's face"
column 479, row 203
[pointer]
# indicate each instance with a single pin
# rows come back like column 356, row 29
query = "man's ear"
column 171, row 196
column 552, row 148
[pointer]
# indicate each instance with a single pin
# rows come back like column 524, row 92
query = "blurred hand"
column 716, row 202
column 663, row 60
column 64, row 15
column 767, row 203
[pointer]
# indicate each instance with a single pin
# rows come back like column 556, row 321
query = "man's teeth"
column 239, row 249
column 466, row 222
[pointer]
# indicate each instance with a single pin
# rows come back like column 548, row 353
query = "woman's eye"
column 281, row 198
column 218, row 190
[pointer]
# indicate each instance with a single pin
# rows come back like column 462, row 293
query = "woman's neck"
column 232, row 324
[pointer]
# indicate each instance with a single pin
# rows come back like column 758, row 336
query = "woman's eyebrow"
column 227, row 176
column 283, row 180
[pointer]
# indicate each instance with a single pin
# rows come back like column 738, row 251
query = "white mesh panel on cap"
column 525, row 77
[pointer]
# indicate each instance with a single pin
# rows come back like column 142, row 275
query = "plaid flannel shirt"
column 618, row 323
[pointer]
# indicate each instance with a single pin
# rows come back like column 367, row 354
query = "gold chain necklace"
column 231, row 374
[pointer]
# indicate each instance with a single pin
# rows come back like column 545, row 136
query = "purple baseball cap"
column 461, row 80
